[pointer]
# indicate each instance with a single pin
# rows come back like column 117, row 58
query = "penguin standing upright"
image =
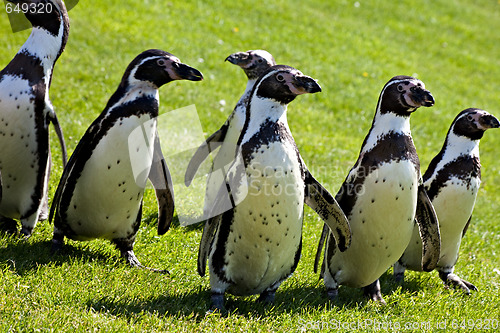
column 253, row 63
column 452, row 181
column 381, row 196
column 256, row 245
column 25, row 114
column 100, row 193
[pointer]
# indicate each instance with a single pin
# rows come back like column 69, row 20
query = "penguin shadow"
column 25, row 256
column 195, row 304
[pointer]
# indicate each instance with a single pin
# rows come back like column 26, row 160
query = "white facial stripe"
column 131, row 78
column 56, row 4
column 457, row 146
column 264, row 55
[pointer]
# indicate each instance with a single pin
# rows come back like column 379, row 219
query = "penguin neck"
column 262, row 111
column 385, row 124
column 46, row 47
column 248, row 89
column 457, row 145
column 240, row 106
column 130, row 93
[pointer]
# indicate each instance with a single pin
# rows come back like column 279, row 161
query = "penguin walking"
column 100, row 194
column 253, row 63
column 254, row 246
column 25, row 114
column 381, row 196
column 452, row 181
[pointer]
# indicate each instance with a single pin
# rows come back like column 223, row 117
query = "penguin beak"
column 489, row 121
column 239, row 58
column 185, row 72
column 303, row 84
column 422, row 97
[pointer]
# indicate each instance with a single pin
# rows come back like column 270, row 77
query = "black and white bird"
column 452, row 181
column 25, row 114
column 256, row 245
column 381, row 196
column 254, row 63
column 101, row 190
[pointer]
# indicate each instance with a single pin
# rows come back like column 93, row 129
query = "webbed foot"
column 451, row 279
column 372, row 291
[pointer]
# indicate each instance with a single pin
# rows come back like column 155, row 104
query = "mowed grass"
column 352, row 49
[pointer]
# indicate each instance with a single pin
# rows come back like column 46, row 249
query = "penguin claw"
column 26, row 232
column 372, row 291
column 267, row 297
column 132, row 260
column 8, row 226
column 399, row 277
column 332, row 294
column 455, row 281
column 217, row 304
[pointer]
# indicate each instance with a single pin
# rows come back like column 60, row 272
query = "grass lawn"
column 352, row 48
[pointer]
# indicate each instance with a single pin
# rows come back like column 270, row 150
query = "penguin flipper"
column 463, row 232
column 68, row 168
column 321, row 243
column 53, row 119
column 209, row 230
column 212, row 143
column 159, row 175
column 83, row 145
column 325, row 205
column 428, row 227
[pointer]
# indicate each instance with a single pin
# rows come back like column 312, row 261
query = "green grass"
column 352, row 51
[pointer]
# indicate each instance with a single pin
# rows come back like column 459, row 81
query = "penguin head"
column 253, row 62
column 404, row 94
column 45, row 14
column 283, row 83
column 472, row 123
column 158, row 67
column 48, row 15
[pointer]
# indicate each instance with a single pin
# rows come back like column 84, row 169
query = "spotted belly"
column 108, row 194
column 381, row 221
column 265, row 233
column 20, row 162
column 454, row 205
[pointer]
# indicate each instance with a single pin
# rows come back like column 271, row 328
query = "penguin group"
column 384, row 214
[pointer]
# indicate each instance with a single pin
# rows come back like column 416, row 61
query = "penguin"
column 99, row 194
column 452, row 181
column 253, row 63
column 381, row 196
column 254, row 246
column 25, row 114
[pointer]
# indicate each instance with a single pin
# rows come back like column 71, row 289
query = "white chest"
column 108, row 194
column 19, row 161
column 382, row 221
column 266, row 229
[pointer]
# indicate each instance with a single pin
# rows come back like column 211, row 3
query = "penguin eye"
column 469, row 117
column 280, row 78
column 400, row 88
column 161, row 62
column 260, row 60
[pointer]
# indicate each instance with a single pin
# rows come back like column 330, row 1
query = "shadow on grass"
column 195, row 303
column 24, row 256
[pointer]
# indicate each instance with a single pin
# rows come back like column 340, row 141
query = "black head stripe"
column 49, row 16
